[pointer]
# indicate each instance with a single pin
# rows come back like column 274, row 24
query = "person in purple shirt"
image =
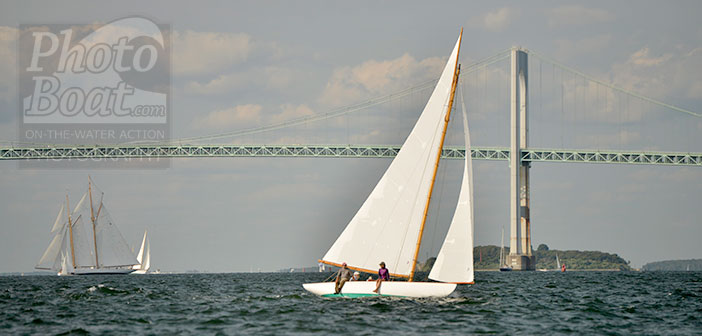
column 383, row 275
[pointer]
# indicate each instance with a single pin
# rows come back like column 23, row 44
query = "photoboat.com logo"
column 95, row 84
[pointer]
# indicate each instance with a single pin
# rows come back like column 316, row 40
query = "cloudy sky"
column 237, row 65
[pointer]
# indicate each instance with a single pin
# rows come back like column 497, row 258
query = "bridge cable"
column 613, row 87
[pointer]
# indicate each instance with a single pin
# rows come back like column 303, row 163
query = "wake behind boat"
column 389, row 225
column 86, row 241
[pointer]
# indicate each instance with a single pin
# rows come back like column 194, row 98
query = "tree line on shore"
column 488, row 257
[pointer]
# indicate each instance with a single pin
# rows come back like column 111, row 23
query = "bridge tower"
column 520, row 255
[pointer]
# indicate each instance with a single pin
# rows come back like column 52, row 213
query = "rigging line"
column 614, row 87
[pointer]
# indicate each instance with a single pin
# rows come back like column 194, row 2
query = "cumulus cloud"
column 577, row 15
column 495, row 21
column 351, row 84
column 270, row 77
column 641, row 57
column 197, row 53
column 672, row 74
column 594, row 44
column 290, row 112
column 232, row 117
column 8, row 66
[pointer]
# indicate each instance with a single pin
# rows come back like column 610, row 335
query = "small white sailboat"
column 558, row 263
column 143, row 257
column 389, row 225
column 503, row 261
column 86, row 241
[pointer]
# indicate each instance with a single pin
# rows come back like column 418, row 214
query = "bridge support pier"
column 520, row 254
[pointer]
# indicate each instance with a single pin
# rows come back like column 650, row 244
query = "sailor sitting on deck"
column 356, row 276
column 383, row 275
column 342, row 276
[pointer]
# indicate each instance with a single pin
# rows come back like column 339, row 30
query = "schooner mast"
column 93, row 218
column 70, row 233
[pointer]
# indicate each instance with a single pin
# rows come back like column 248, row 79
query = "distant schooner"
column 87, row 241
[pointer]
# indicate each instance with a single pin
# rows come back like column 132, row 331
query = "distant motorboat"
column 86, row 241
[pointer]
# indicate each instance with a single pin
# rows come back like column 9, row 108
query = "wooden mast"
column 456, row 71
column 92, row 219
column 70, row 232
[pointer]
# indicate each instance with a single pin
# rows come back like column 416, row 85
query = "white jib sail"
column 143, row 256
column 140, row 255
column 387, row 225
column 51, row 259
column 455, row 260
column 58, row 224
column 146, row 263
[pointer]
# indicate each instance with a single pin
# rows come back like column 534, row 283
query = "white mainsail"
column 83, row 239
column 388, row 224
column 455, row 260
column 112, row 248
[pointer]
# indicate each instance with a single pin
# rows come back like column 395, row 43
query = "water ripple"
column 275, row 303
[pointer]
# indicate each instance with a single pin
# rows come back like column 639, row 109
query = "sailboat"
column 389, row 225
column 558, row 264
column 143, row 257
column 503, row 262
column 87, row 241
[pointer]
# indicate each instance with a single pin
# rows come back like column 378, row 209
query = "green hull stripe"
column 357, row 295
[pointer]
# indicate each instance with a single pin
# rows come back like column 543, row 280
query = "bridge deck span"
column 339, row 151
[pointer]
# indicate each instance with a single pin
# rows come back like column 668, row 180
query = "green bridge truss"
column 338, row 151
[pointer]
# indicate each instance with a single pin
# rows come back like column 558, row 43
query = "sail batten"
column 386, row 227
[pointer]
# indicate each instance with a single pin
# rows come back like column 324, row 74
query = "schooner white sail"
column 389, row 225
column 87, row 241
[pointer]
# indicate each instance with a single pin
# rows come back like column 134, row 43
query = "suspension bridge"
column 581, row 99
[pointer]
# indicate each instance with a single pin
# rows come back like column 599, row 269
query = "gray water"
column 275, row 303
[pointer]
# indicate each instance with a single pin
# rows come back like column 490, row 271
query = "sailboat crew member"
column 342, row 276
column 356, row 276
column 383, row 275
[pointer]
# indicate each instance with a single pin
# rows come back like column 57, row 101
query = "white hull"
column 387, row 288
column 139, row 271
